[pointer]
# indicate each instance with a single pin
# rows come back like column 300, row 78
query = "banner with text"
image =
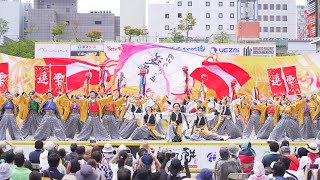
column 4, row 77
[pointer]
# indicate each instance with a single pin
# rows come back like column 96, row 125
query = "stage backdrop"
column 167, row 69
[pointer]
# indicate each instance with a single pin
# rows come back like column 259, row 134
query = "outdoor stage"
column 200, row 154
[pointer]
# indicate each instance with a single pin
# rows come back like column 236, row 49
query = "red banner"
column 58, row 80
column 276, row 82
column 4, row 77
column 290, row 76
column 41, row 77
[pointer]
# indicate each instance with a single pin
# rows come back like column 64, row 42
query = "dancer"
column 225, row 125
column 242, row 113
column 30, row 114
column 268, row 126
column 213, row 114
column 91, row 112
column 147, row 130
column 306, row 118
column 286, row 125
column 50, row 124
column 8, row 119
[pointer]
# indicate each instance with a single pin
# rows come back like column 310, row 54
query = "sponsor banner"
column 52, row 50
column 80, row 50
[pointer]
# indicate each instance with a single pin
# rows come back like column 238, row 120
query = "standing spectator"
column 93, row 164
column 145, row 170
column 302, row 152
column 35, row 155
column 259, row 172
column 174, row 171
column 273, row 156
column 124, row 174
column 246, row 156
column 294, row 162
column 35, row 175
column 62, row 153
column 52, row 172
column 20, row 172
column 205, row 174
column 103, row 168
column 73, row 154
column 122, row 158
column 81, row 150
column 289, row 173
column 72, row 168
column 304, row 172
column 278, row 171
column 5, row 171
column 108, row 153
column 313, row 151
column 49, row 145
column 86, row 173
column 225, row 165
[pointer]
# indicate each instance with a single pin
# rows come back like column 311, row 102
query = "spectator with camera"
column 119, row 161
column 148, row 168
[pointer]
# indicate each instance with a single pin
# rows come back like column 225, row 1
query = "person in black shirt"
column 273, row 156
column 34, row 155
column 52, row 172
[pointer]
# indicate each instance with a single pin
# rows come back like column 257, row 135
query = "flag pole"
column 50, row 76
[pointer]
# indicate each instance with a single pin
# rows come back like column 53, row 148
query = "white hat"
column 312, row 148
column 18, row 150
column 164, row 149
column 122, row 147
column 107, row 148
column 49, row 145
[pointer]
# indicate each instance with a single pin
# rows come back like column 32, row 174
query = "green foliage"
column 186, row 24
column 58, row 29
column 176, row 36
column 221, row 38
column 4, row 27
column 134, row 32
column 23, row 48
column 93, row 35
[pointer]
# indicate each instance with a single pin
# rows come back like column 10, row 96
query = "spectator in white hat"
column 108, row 153
column 49, row 145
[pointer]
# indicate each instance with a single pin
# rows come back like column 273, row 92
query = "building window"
column 166, row 27
column 207, row 3
column 231, row 4
column 67, row 9
column 278, row 7
column 265, row 7
column 271, row 6
column 166, row 16
column 259, row 6
column 97, row 22
column 231, row 27
column 220, row 27
column 271, row 29
column 284, row 18
column 259, row 18
column 179, row 3
column 271, row 18
column 231, row 15
column 284, row 29
column 190, row 3
column 207, row 27
column 265, row 18
column 48, row 6
column 278, row 29
column 179, row 15
column 207, row 15
column 220, row 15
column 220, row 3
column 265, row 29
column 284, row 7
column 278, row 18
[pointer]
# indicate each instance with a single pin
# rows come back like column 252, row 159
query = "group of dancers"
column 105, row 117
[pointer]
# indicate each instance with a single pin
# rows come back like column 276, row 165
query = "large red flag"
column 276, row 82
column 4, row 77
column 290, row 76
column 42, row 79
column 58, row 80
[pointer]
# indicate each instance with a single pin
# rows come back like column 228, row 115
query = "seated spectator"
column 73, row 154
column 27, row 163
column 20, row 172
column 278, row 171
column 233, row 150
column 273, row 156
column 175, row 170
column 81, row 150
column 225, row 165
column 108, row 153
column 205, row 174
column 86, row 173
column 35, row 175
column 313, row 151
column 93, row 164
column 289, row 173
column 10, row 159
column 5, row 171
column 52, row 172
column 49, row 145
column 35, row 155
column 72, row 168
column 103, row 168
column 259, row 172
column 304, row 172
column 62, row 153
column 302, row 152
column 246, row 156
column 123, row 174
column 119, row 161
column 60, row 167
column 294, row 162
column 145, row 170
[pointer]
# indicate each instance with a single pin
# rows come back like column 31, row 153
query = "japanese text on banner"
column 291, row 79
column 276, row 82
column 58, row 80
column 42, row 75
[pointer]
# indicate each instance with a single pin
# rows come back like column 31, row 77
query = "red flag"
column 4, row 77
column 276, row 82
column 290, row 76
column 58, row 80
column 41, row 77
column 220, row 75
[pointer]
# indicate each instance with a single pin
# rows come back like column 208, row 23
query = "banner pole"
column 50, row 76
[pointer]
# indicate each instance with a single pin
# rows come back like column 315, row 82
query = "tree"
column 131, row 32
column 186, row 24
column 58, row 29
column 32, row 28
column 93, row 35
column 176, row 36
column 23, row 48
column 221, row 38
column 75, row 30
column 4, row 27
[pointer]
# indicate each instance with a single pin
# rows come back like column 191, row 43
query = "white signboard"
column 52, row 50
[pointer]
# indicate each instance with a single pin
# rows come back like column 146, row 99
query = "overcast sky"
column 85, row 6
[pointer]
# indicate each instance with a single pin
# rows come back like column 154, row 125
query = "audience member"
column 20, row 172
column 86, row 173
column 73, row 154
column 81, row 150
column 304, row 172
column 123, row 174
column 52, row 172
column 289, row 173
column 174, row 171
column 285, row 143
column 103, row 168
column 87, row 153
column 62, row 153
column 302, row 152
column 246, row 156
column 72, row 168
column 278, row 171
column 294, row 162
column 93, row 164
column 205, row 174
column 313, row 151
column 225, row 165
column 145, row 169
column 49, row 145
column 258, row 172
column 119, row 161
column 35, row 175
column 9, row 158
column 4, row 150
column 273, row 156
column 5, row 171
column 108, row 153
